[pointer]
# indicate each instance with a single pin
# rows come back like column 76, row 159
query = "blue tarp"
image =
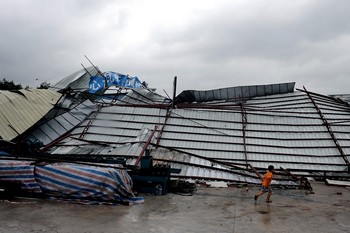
column 72, row 181
column 99, row 82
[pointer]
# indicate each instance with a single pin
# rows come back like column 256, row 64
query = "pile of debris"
column 231, row 134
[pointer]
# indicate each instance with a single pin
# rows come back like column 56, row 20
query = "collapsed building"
column 230, row 134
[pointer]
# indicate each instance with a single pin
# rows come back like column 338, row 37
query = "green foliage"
column 44, row 85
column 9, row 85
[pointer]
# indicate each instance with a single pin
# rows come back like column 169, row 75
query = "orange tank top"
column 267, row 179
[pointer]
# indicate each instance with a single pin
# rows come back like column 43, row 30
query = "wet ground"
column 209, row 210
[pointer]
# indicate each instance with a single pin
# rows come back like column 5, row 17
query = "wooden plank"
column 337, row 182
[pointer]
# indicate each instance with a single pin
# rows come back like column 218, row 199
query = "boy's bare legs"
column 268, row 197
column 261, row 193
column 258, row 195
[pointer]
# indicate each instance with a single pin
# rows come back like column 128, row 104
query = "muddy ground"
column 209, row 210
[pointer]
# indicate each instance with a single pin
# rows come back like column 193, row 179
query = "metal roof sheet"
column 287, row 130
column 78, row 80
column 61, row 124
column 236, row 93
column 286, row 136
column 22, row 109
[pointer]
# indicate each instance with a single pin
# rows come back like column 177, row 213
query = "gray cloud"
column 229, row 43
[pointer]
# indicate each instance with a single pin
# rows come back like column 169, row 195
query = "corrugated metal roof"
column 191, row 166
column 286, row 129
column 234, row 93
column 61, row 124
column 283, row 130
column 22, row 109
column 144, row 96
column 78, row 80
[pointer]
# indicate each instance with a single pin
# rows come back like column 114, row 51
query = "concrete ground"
column 208, row 210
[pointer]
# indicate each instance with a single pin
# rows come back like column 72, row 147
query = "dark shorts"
column 266, row 189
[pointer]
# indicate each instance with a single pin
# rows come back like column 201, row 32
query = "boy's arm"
column 256, row 172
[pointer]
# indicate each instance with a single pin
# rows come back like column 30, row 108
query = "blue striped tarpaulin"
column 72, row 181
column 21, row 172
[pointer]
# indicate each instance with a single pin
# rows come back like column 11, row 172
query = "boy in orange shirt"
column 266, row 183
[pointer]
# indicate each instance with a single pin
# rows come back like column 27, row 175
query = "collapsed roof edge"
column 234, row 93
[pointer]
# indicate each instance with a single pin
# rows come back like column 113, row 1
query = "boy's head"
column 271, row 168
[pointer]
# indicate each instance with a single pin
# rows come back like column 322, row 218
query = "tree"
column 44, row 85
column 9, row 85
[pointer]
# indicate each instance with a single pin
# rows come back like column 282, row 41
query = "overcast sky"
column 206, row 44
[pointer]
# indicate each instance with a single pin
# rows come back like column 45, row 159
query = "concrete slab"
column 208, row 210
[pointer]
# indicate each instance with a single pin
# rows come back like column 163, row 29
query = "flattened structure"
column 213, row 135
column 219, row 139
